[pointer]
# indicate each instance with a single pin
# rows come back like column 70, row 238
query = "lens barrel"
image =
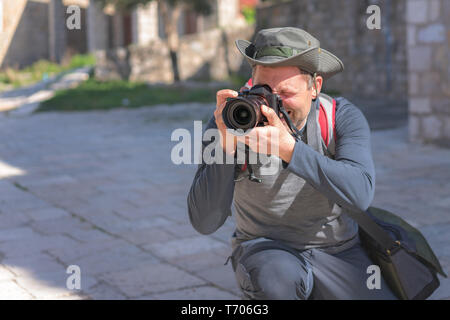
column 243, row 113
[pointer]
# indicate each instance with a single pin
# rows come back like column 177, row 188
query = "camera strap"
column 295, row 132
column 251, row 175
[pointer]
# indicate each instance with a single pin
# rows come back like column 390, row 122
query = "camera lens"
column 242, row 115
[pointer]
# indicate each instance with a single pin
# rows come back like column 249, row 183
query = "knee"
column 274, row 279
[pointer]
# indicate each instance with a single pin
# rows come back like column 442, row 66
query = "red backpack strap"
column 249, row 84
column 327, row 122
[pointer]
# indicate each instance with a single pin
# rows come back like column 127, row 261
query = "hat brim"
column 312, row 60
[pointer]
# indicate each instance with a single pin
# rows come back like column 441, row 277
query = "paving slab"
column 103, row 291
column 151, row 278
column 35, row 244
column 10, row 290
column 199, row 293
column 115, row 258
column 184, row 247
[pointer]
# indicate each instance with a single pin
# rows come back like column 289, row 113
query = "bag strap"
column 363, row 219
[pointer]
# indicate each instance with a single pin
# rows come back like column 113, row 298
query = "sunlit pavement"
column 99, row 190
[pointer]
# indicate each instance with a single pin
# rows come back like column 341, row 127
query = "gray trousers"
column 274, row 274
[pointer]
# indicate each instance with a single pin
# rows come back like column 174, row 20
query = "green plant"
column 82, row 60
column 249, row 14
column 42, row 69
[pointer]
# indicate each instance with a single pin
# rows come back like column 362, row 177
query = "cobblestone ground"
column 98, row 190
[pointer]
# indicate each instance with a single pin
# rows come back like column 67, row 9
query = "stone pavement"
column 98, row 190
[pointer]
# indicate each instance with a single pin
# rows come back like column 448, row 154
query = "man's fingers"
column 218, row 111
column 222, row 95
column 226, row 92
column 271, row 116
column 221, row 98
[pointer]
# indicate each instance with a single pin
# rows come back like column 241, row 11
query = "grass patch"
column 249, row 14
column 103, row 95
column 42, row 69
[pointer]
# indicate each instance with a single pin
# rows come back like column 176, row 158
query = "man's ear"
column 318, row 85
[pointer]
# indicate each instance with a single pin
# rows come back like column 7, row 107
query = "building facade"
column 428, row 47
column 36, row 29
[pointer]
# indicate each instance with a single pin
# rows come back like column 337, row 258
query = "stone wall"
column 145, row 23
column 57, row 30
column 97, row 25
column 429, row 70
column 25, row 36
column 375, row 60
column 36, row 29
column 202, row 56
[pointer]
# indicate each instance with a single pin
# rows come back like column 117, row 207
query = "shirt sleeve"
column 349, row 179
column 211, row 194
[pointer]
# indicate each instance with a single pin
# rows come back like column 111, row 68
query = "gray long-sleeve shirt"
column 293, row 213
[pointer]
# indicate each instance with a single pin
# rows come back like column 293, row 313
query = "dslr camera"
column 244, row 111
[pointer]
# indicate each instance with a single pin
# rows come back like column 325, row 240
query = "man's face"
column 291, row 86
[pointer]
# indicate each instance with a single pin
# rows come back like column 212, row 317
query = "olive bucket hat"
column 290, row 46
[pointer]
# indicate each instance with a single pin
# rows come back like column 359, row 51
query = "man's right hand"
column 225, row 137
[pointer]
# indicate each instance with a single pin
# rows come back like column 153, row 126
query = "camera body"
column 244, row 111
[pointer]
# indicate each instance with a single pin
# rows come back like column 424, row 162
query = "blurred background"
column 91, row 91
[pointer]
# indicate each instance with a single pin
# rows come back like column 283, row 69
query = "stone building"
column 36, row 29
column 24, row 26
column 207, row 48
column 428, row 47
column 375, row 60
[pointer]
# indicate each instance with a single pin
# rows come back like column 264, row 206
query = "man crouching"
column 293, row 239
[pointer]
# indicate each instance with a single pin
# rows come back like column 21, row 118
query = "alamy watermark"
column 374, row 280
column 374, row 20
column 74, row 20
column 189, row 150
column 73, row 281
